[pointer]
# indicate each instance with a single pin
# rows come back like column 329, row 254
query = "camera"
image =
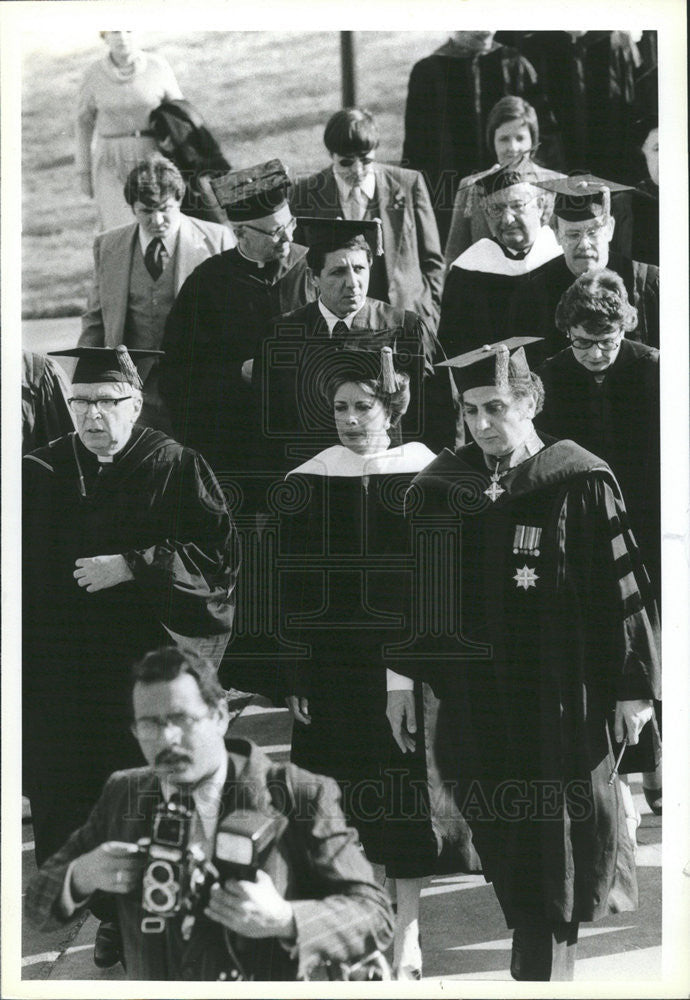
column 178, row 874
column 166, row 871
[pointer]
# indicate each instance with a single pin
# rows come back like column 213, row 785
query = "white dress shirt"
column 332, row 319
column 355, row 200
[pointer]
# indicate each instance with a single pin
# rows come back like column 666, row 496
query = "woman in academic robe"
column 348, row 546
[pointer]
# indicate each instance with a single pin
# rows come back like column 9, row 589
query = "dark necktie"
column 155, row 257
column 339, row 334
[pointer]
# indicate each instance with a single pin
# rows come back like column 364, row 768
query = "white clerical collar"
column 332, row 319
column 169, row 240
column 367, row 187
column 529, row 447
column 256, row 263
column 206, row 795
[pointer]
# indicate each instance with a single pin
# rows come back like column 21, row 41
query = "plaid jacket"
column 340, row 912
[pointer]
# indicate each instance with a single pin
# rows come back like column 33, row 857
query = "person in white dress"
column 116, row 95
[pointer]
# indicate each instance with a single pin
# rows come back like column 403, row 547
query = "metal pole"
column 347, row 60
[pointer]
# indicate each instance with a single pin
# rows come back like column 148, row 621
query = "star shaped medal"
column 495, row 490
column 525, row 577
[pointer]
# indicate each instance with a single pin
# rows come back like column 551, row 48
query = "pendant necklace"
column 494, row 491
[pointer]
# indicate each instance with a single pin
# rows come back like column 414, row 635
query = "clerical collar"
column 169, row 240
column 529, row 447
column 332, row 319
column 261, row 264
column 105, row 459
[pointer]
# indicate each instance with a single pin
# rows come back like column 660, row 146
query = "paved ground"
column 463, row 933
column 464, row 936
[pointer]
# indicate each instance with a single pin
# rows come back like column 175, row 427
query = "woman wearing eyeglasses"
column 603, row 392
column 356, row 186
column 512, row 133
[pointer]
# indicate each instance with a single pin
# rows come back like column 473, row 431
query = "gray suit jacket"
column 413, row 259
column 103, row 323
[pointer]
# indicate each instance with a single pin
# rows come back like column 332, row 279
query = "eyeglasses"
column 108, row 405
column 150, row 728
column 277, row 234
column 573, row 236
column 514, row 207
column 605, row 344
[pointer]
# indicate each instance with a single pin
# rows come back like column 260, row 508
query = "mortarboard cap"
column 331, row 234
column 582, row 196
column 252, row 193
column 106, row 364
column 520, row 172
column 492, row 364
column 352, row 365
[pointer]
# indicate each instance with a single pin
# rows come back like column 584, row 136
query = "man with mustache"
column 315, row 899
column 584, row 227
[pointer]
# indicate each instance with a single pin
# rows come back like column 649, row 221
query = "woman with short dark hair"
column 603, row 393
column 347, row 544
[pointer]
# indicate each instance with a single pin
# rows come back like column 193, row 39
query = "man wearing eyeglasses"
column 584, row 227
column 222, row 311
column 127, row 543
column 315, row 898
column 487, row 295
column 409, row 274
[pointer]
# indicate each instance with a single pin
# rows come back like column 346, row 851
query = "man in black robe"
column 127, row 543
column 584, row 226
column 555, row 662
column 492, row 288
column 222, row 312
column 293, row 417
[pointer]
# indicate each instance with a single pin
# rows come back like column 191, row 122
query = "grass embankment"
column 263, row 94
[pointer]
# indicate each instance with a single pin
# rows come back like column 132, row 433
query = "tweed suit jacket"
column 412, row 249
column 340, row 912
column 103, row 323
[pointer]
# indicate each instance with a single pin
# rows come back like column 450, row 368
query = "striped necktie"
column 339, row 334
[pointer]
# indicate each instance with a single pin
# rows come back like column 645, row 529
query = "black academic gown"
column 159, row 505
column 480, row 307
column 617, row 419
column 222, row 312
column 641, row 283
column 549, row 629
column 344, row 545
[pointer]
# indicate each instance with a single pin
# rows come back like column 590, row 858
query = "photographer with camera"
column 222, row 865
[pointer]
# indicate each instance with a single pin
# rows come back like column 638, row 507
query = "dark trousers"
column 542, row 950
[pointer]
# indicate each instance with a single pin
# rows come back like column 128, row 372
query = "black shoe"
column 653, row 797
column 107, row 948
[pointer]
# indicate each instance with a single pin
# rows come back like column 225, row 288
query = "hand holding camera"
column 113, row 866
column 253, row 909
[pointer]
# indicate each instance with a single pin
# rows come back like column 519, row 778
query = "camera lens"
column 159, row 899
column 160, row 872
